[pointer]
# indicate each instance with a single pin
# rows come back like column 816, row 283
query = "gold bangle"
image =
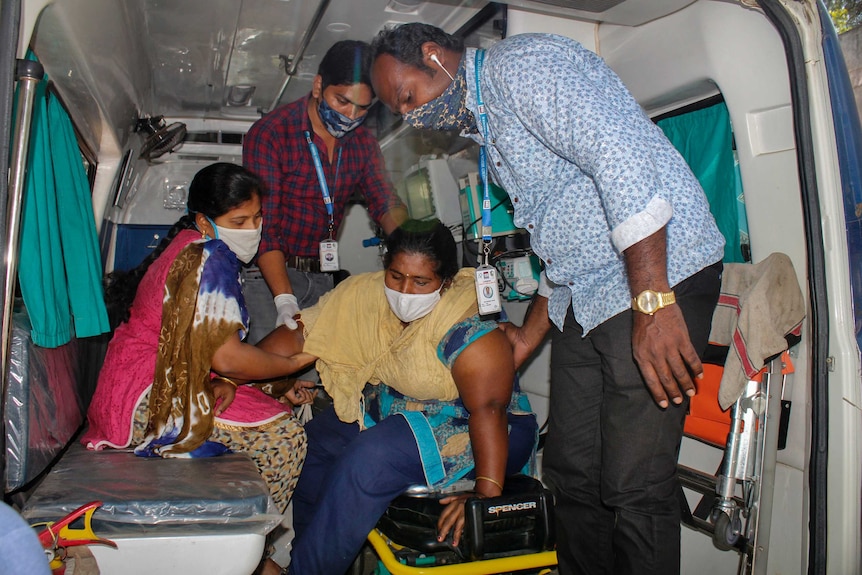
column 227, row 379
column 497, row 483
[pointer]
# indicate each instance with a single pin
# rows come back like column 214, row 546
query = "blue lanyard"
column 483, row 155
column 321, row 177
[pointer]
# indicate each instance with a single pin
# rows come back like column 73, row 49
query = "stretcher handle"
column 59, row 534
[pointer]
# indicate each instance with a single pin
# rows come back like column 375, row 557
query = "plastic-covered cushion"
column 139, row 494
column 44, row 403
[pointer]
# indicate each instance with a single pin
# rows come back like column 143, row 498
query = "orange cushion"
column 706, row 421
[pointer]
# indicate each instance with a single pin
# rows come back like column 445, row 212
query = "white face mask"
column 411, row 306
column 242, row 242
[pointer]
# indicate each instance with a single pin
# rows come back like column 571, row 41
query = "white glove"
column 287, row 307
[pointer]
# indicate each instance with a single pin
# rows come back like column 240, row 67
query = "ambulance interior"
column 157, row 90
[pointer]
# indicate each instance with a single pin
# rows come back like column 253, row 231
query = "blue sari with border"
column 441, row 428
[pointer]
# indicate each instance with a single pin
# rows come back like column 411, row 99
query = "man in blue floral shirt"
column 633, row 259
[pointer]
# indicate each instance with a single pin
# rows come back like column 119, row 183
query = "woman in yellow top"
column 441, row 404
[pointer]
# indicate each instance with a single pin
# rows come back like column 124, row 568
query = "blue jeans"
column 610, row 455
column 307, row 287
column 20, row 549
column 349, row 478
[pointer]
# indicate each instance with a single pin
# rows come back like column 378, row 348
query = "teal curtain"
column 60, row 267
column 705, row 139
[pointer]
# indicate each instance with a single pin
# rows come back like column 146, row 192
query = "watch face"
column 648, row 301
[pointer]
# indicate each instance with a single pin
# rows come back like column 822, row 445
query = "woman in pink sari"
column 169, row 384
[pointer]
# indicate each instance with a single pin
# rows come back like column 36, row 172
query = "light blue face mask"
column 336, row 123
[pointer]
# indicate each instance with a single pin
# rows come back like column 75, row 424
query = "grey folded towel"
column 760, row 304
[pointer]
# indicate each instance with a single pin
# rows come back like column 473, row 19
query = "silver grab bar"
column 29, row 74
column 290, row 68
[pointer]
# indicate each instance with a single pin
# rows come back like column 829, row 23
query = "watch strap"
column 663, row 299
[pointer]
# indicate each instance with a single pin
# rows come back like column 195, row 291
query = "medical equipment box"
column 471, row 194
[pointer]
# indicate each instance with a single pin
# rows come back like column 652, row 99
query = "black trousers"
column 611, row 452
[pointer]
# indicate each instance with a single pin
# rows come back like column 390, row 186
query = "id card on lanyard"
column 487, row 287
column 328, row 247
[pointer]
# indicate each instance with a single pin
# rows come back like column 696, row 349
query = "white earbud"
column 435, row 59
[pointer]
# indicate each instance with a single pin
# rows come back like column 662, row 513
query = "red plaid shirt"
column 294, row 215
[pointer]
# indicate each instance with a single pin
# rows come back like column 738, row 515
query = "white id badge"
column 329, row 256
column 487, row 290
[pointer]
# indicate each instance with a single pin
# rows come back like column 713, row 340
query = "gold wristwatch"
column 649, row 301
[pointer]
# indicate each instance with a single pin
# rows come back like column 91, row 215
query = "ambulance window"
column 122, row 185
column 703, row 135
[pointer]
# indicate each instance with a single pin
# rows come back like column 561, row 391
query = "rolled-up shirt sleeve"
column 643, row 224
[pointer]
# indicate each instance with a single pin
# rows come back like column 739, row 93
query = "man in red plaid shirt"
column 296, row 217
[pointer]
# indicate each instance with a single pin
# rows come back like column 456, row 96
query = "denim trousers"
column 307, row 287
column 611, row 452
column 349, row 479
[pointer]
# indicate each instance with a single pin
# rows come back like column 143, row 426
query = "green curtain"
column 705, row 139
column 60, row 267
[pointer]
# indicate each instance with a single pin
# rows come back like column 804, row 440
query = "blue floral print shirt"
column 589, row 174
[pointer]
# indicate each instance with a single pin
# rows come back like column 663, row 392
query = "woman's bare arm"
column 278, row 354
column 484, row 374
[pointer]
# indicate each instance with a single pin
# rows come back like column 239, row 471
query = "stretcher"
column 737, row 500
column 757, row 321
column 507, row 534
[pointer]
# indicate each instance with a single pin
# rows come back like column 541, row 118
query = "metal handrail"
column 29, row 73
column 290, row 69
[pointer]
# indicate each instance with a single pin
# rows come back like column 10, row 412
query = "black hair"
column 428, row 238
column 214, row 191
column 404, row 43
column 346, row 63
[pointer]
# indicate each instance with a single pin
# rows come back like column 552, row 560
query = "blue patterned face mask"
column 446, row 112
column 334, row 121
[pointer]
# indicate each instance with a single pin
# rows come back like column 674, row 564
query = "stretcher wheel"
column 727, row 531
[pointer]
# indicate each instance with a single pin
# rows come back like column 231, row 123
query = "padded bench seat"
column 208, row 515
column 223, row 493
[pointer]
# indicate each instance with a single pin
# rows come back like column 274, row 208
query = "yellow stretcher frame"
column 484, row 567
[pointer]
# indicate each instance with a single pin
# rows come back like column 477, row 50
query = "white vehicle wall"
column 114, row 62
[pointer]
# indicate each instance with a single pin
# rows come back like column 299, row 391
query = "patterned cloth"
column 589, row 174
column 129, row 369
column 295, row 218
column 130, row 362
column 202, row 308
column 441, row 428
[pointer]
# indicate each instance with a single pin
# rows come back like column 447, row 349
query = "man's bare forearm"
column 272, row 267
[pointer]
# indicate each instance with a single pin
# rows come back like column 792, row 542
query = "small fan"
column 159, row 137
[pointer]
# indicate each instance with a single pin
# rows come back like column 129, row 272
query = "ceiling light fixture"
column 240, row 94
column 338, row 27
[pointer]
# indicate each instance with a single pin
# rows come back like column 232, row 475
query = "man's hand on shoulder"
column 528, row 337
column 521, row 349
column 287, row 308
